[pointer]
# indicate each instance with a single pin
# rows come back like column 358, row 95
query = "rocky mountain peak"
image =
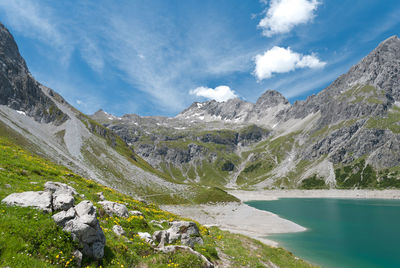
column 19, row 90
column 9, row 53
column 380, row 68
column 271, row 98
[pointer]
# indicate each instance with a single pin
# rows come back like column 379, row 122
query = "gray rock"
column 84, row 228
column 185, row 231
column 190, row 241
column 144, row 201
column 97, row 248
column 60, row 188
column 118, row 230
column 8, row 186
column 41, row 200
column 86, row 212
column 146, row 237
column 78, row 257
column 135, row 213
column 113, row 208
column 161, row 237
column 62, row 201
column 63, row 216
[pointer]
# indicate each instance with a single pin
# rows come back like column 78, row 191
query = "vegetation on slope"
column 390, row 122
column 313, row 183
column 120, row 146
column 363, row 176
column 363, row 93
column 30, row 238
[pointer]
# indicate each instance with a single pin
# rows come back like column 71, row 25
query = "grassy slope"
column 30, row 238
column 120, row 146
column 195, row 194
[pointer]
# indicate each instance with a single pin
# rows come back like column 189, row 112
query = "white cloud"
column 283, row 60
column 220, row 93
column 310, row 61
column 283, row 15
column 79, row 102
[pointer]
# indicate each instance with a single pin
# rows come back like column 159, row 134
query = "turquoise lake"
column 340, row 232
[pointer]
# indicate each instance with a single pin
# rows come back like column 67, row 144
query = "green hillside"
column 30, row 238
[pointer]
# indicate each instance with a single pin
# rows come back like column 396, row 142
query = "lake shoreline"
column 238, row 218
column 258, row 224
column 267, row 195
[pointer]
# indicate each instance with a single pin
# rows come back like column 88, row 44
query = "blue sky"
column 157, row 57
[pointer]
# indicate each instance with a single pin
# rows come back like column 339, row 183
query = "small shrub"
column 313, row 183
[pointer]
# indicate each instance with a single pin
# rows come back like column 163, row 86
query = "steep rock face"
column 379, row 69
column 367, row 92
column 18, row 89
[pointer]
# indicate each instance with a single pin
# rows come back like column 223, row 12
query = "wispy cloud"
column 160, row 57
column 33, row 20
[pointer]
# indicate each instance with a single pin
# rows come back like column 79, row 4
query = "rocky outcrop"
column 135, row 213
column 113, row 208
column 57, row 196
column 62, row 195
column 81, row 221
column 59, row 188
column 40, row 200
column 185, row 231
column 146, row 237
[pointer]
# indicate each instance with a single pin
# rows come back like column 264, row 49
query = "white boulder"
column 113, row 208
column 59, row 187
column 118, row 230
column 41, row 200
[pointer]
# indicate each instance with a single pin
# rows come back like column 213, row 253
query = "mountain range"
column 346, row 136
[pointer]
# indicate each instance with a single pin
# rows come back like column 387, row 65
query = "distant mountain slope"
column 42, row 121
column 264, row 112
column 346, row 136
